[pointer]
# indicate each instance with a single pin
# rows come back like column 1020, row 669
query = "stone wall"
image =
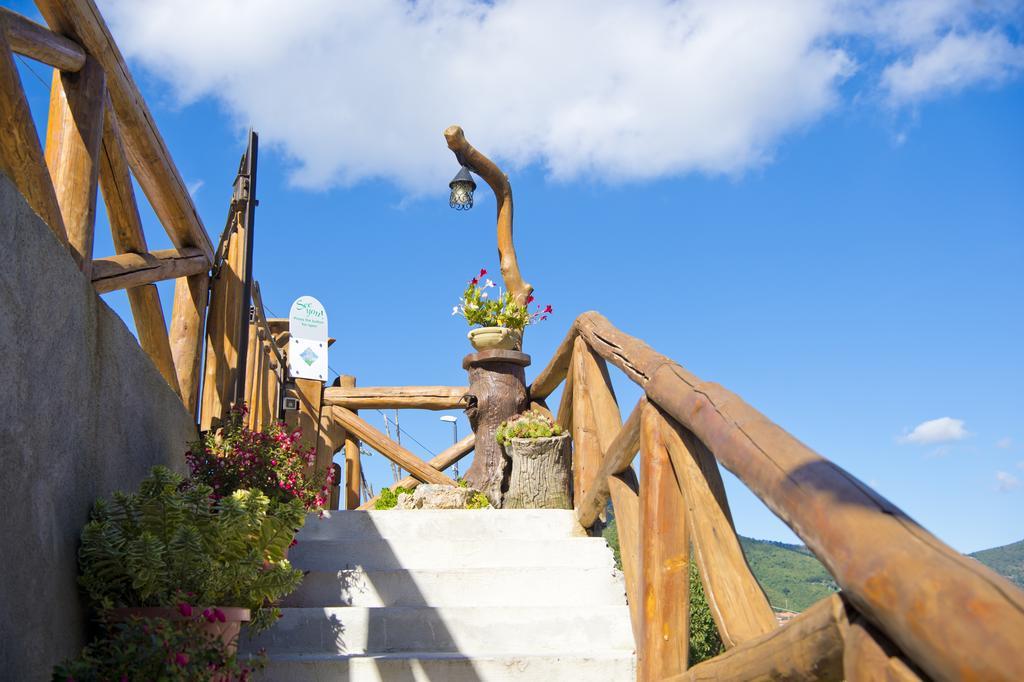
column 83, row 413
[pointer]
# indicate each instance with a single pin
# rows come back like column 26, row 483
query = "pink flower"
column 208, row 615
column 529, row 299
column 294, row 542
column 181, row 658
column 474, row 281
column 185, row 610
column 482, row 272
column 549, row 309
column 220, row 615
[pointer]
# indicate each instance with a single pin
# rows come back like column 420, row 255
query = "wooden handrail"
column 32, row 40
column 398, row 397
column 899, row 576
column 135, row 269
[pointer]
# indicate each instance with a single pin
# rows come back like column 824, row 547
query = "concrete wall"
column 83, row 412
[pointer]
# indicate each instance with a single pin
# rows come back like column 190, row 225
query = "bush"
column 389, row 498
column 154, row 649
column 166, row 545
column 530, row 424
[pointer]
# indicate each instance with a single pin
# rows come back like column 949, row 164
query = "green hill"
column 789, row 574
column 1007, row 560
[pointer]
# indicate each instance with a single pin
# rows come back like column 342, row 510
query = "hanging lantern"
column 462, row 190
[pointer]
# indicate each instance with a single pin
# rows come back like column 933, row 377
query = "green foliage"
column 530, row 424
column 705, row 641
column 389, row 498
column 790, row 575
column 1007, row 561
column 478, row 501
column 168, row 544
column 482, row 310
column 155, row 649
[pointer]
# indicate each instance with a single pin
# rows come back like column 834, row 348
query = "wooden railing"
column 100, row 134
column 910, row 606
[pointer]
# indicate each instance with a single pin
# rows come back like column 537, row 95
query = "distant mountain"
column 789, row 574
column 1007, row 560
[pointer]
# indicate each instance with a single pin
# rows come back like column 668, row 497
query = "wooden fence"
column 910, row 607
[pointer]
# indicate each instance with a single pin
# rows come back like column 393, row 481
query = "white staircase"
column 451, row 596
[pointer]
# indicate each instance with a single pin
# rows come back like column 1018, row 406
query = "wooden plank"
column 270, row 394
column 21, row 156
column 564, row 417
column 32, row 40
column 251, row 368
column 73, row 134
column 398, row 397
column 738, row 604
column 556, row 370
column 615, row 459
column 353, row 456
column 188, row 321
column 807, row 649
column 626, row 504
column 389, row 448
column 128, row 270
column 150, row 160
column 126, row 230
column 441, row 462
column 663, row 648
column 897, row 574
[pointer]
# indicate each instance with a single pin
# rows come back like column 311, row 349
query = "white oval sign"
column 307, row 339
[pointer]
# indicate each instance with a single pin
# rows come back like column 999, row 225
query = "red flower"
column 482, row 272
column 294, row 542
column 529, row 299
column 549, row 309
column 185, row 610
column 220, row 615
column 181, row 658
column 474, row 281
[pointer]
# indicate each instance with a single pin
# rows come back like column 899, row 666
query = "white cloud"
column 939, row 430
column 955, row 62
column 1004, row 443
column 601, row 89
column 194, row 187
column 1006, row 482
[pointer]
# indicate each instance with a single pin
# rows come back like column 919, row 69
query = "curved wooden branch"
column 468, row 156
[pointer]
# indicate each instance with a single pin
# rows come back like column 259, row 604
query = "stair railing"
column 910, row 607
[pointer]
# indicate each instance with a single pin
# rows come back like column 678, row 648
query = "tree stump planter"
column 541, row 475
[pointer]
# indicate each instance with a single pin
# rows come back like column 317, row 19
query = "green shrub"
column 165, row 545
column 530, row 424
column 389, row 498
column 478, row 501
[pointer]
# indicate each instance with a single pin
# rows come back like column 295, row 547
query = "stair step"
column 486, row 587
column 430, row 667
column 465, row 630
column 457, row 524
column 447, row 554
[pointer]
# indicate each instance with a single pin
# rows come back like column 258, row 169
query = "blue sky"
column 850, row 266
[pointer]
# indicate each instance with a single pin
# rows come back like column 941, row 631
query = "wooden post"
column 353, row 461
column 665, row 559
column 497, row 390
column 188, row 321
column 596, row 418
column 21, row 157
column 626, row 504
column 73, row 135
column 307, row 417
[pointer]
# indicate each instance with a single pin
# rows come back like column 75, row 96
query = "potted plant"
column 155, row 649
column 179, row 548
column 540, row 462
column 499, row 320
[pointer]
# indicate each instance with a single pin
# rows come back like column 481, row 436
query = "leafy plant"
column 478, row 501
column 155, row 649
column 389, row 498
column 273, row 461
column 530, row 424
column 167, row 544
column 480, row 310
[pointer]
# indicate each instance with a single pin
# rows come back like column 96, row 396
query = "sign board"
column 307, row 339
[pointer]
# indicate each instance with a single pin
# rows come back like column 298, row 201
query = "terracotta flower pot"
column 227, row 631
column 495, row 338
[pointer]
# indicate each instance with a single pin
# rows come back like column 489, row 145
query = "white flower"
column 483, row 295
column 488, row 284
column 455, row 310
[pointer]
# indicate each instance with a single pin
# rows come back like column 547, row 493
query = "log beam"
column 188, row 321
column 626, row 504
column 32, row 40
column 807, row 649
column 615, row 460
column 663, row 648
column 353, row 455
column 389, row 448
column 135, row 269
column 150, row 159
column 21, row 156
column 441, row 462
column 557, row 368
column 397, row 397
